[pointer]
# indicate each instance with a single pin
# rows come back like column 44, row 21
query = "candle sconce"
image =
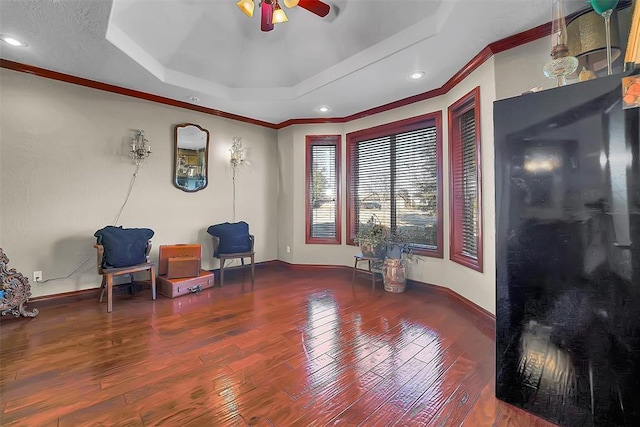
column 140, row 148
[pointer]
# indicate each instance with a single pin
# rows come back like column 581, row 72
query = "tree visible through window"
column 323, row 189
column 465, row 178
column 393, row 175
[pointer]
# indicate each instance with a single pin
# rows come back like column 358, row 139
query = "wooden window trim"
column 315, row 140
column 406, row 125
column 469, row 101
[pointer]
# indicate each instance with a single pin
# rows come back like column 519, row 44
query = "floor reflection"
column 322, row 310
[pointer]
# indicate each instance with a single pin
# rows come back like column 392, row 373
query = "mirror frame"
column 176, row 157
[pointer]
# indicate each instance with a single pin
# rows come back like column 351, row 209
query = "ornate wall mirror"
column 191, row 157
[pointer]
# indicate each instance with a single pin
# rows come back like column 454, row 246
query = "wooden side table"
column 371, row 270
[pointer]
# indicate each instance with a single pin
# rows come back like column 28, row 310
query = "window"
column 465, row 181
column 323, row 189
column 394, row 176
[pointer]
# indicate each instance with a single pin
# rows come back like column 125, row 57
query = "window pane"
column 395, row 180
column 373, row 180
column 323, row 186
column 469, row 184
column 416, row 185
column 465, row 207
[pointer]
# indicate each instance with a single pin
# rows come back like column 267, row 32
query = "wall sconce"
column 237, row 154
column 140, row 148
column 236, row 160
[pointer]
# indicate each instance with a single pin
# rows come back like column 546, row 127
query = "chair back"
column 122, row 247
column 231, row 238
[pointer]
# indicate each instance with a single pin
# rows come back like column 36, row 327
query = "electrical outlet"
column 37, row 276
column 288, row 249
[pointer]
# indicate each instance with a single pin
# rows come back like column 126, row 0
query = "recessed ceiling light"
column 193, row 98
column 12, row 41
column 417, row 75
column 323, row 109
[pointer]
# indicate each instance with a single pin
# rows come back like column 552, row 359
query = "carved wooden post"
column 14, row 290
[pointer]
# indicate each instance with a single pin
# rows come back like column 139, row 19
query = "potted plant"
column 372, row 237
column 392, row 248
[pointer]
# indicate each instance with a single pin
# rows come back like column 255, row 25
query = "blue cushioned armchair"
column 123, row 251
column 232, row 241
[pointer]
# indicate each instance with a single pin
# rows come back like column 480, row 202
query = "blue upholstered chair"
column 123, row 251
column 232, row 241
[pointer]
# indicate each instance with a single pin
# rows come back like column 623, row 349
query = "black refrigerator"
column 567, row 167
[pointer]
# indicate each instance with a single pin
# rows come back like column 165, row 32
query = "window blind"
column 465, row 206
column 323, row 190
column 394, row 180
column 469, row 184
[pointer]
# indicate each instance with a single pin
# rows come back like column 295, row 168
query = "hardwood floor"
column 304, row 349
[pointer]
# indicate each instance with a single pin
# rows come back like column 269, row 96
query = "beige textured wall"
column 65, row 173
column 475, row 286
column 520, row 69
column 478, row 287
column 286, row 193
column 301, row 253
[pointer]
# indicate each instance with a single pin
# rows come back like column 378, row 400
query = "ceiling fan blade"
column 315, row 6
column 266, row 16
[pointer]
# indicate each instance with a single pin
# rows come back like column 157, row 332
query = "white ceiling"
column 355, row 59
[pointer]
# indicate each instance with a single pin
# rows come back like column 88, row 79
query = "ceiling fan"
column 271, row 13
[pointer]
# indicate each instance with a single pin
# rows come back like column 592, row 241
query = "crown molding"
column 67, row 78
column 482, row 56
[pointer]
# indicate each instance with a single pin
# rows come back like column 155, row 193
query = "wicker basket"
column 393, row 275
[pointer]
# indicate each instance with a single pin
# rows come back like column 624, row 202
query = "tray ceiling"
column 358, row 57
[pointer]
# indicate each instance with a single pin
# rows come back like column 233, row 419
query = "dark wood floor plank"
column 51, row 403
column 359, row 410
column 327, row 401
column 485, row 408
column 304, row 348
column 429, row 404
column 510, row 416
column 36, row 420
column 110, row 412
column 428, row 379
column 193, row 396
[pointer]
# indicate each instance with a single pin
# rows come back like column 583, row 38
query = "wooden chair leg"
column 153, row 282
column 355, row 267
column 222, row 272
column 109, row 293
column 253, row 270
column 103, row 288
column 373, row 277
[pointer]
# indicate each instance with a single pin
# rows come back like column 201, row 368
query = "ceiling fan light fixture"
column 271, row 13
column 266, row 11
column 246, row 6
column 278, row 14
